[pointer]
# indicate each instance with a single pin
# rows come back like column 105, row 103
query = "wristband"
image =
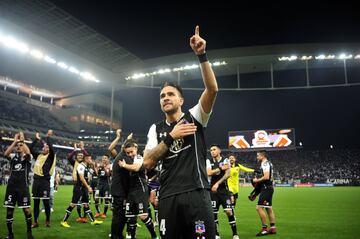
column 168, row 140
column 202, row 58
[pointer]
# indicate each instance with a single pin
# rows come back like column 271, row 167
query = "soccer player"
column 82, row 194
column 266, row 194
column 17, row 190
column 94, row 180
column 137, row 200
column 219, row 170
column 75, row 162
column 179, row 143
column 104, row 173
column 43, row 169
column 233, row 180
column 119, row 190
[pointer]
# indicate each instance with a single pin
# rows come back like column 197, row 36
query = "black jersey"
column 82, row 169
column 120, row 178
column 20, row 166
column 137, row 179
column 223, row 187
column 184, row 164
column 266, row 166
column 103, row 177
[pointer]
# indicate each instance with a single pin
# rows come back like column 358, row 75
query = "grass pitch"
column 314, row 213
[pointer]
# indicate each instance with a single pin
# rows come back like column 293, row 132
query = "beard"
column 170, row 111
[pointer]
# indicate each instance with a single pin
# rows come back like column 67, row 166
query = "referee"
column 178, row 142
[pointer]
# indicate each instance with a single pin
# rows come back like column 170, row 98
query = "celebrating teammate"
column 43, row 169
column 82, row 193
column 266, row 194
column 233, row 180
column 17, row 190
column 137, row 200
column 219, row 170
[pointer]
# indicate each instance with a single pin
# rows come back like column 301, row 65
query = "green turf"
column 308, row 213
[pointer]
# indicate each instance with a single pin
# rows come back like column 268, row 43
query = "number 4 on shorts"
column 162, row 227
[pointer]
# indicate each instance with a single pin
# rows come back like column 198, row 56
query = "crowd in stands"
column 290, row 166
column 309, row 166
column 18, row 110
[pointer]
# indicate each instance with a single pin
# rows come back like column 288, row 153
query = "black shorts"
column 80, row 195
column 17, row 194
column 103, row 191
column 186, row 216
column 221, row 198
column 41, row 188
column 118, row 220
column 94, row 184
column 137, row 203
column 265, row 198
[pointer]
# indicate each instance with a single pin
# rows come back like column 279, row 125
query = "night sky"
column 153, row 28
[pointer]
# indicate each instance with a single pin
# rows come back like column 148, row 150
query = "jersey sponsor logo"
column 141, row 206
column 18, row 167
column 25, row 200
column 177, row 146
column 199, row 227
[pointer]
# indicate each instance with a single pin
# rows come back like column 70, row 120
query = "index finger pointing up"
column 197, row 31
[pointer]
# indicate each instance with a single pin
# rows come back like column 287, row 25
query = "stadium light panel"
column 168, row 70
column 74, row 70
column 88, row 76
column 62, row 65
column 12, row 43
column 37, row 54
column 343, row 56
column 320, row 57
column 357, row 57
column 306, row 58
column 50, row 60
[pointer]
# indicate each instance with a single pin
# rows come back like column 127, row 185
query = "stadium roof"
column 52, row 23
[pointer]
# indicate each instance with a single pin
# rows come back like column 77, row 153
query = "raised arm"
column 11, row 146
column 32, row 146
column 49, row 142
column 113, row 144
column 245, row 169
column 208, row 97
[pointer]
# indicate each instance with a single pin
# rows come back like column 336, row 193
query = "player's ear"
column 181, row 101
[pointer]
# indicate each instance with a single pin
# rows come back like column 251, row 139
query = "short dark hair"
column 263, row 153
column 215, row 145
column 176, row 86
column 130, row 143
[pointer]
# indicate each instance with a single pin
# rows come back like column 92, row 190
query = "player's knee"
column 143, row 217
column 26, row 211
column 229, row 213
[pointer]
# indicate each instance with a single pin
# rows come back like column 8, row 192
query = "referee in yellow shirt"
column 233, row 180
